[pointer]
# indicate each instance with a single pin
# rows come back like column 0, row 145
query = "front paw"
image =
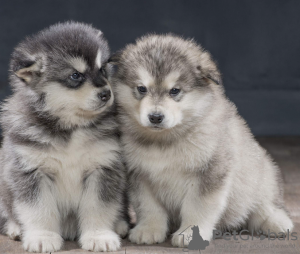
column 182, row 238
column 122, row 228
column 13, row 230
column 147, row 234
column 105, row 240
column 42, row 241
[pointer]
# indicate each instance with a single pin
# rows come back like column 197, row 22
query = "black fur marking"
column 99, row 80
column 28, row 183
column 213, row 79
column 27, row 141
column 213, row 177
column 51, row 125
column 112, row 182
column 23, row 64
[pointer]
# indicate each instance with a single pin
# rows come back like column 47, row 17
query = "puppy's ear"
column 26, row 69
column 208, row 69
column 112, row 63
column 115, row 58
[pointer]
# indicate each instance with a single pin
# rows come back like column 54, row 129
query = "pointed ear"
column 115, row 58
column 28, row 70
column 112, row 63
column 28, row 73
column 208, row 69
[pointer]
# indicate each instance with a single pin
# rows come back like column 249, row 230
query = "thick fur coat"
column 61, row 171
column 192, row 160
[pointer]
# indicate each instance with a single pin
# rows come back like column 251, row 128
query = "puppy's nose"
column 105, row 95
column 156, row 118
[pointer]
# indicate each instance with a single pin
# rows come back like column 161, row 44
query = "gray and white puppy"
column 192, row 160
column 62, row 175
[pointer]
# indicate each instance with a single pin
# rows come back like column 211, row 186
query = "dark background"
column 255, row 42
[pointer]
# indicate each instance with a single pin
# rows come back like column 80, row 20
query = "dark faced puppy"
column 63, row 65
column 62, row 176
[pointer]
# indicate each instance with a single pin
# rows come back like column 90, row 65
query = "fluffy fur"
column 192, row 160
column 62, row 175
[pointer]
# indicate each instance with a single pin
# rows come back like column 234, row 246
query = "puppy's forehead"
column 145, row 77
column 78, row 64
column 170, row 79
column 82, row 65
column 166, row 80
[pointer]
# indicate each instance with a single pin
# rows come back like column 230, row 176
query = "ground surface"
column 286, row 152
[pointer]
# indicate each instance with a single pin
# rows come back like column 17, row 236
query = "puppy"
column 192, row 160
column 62, row 176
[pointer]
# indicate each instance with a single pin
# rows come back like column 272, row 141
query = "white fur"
column 173, row 173
column 13, row 230
column 121, row 228
column 68, row 164
column 170, row 80
column 42, row 241
column 98, row 59
column 100, row 241
column 145, row 78
column 78, row 64
column 74, row 106
column 153, row 227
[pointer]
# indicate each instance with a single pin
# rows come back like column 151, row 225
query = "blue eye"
column 76, row 76
column 174, row 91
column 142, row 89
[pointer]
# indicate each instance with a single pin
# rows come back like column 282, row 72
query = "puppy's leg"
column 122, row 225
column 152, row 218
column 37, row 211
column 13, row 230
column 202, row 210
column 269, row 217
column 98, row 213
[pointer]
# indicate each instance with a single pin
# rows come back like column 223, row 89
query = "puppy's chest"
column 184, row 156
column 74, row 157
column 170, row 172
column 171, row 188
column 67, row 165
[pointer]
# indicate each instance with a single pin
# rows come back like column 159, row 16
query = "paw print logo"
column 261, row 234
column 195, row 240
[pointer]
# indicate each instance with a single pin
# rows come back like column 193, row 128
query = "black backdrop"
column 255, row 42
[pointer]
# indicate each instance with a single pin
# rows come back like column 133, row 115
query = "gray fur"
column 60, row 139
column 200, row 165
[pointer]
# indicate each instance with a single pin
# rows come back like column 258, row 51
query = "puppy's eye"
column 76, row 76
column 103, row 72
column 142, row 89
column 174, row 91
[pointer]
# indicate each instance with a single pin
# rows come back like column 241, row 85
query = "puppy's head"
column 64, row 67
column 163, row 82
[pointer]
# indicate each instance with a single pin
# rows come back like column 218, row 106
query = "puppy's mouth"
column 91, row 113
column 156, row 128
column 102, row 105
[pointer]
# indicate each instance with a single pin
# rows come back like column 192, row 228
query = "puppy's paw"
column 122, row 228
column 147, row 234
column 13, row 230
column 182, row 239
column 42, row 241
column 100, row 241
column 278, row 222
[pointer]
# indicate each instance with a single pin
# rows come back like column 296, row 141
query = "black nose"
column 105, row 95
column 156, row 118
